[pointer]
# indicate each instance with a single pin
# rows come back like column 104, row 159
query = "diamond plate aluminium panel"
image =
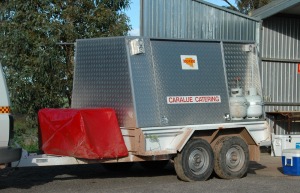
column 144, row 86
column 136, row 86
column 104, row 73
column 101, row 77
column 242, row 64
column 172, row 80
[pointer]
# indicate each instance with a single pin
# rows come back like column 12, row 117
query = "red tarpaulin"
column 81, row 133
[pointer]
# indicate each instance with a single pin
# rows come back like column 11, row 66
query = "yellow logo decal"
column 189, row 61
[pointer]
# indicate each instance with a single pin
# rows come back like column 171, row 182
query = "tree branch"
column 232, row 6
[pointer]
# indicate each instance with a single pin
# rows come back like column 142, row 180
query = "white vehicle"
column 173, row 100
column 7, row 154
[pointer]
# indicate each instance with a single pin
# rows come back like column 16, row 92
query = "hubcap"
column 198, row 161
column 235, row 158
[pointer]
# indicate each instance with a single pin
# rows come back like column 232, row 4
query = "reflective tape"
column 4, row 109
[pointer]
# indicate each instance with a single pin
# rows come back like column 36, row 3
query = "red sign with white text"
column 299, row 68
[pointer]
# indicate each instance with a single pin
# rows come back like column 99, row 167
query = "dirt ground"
column 263, row 176
column 269, row 166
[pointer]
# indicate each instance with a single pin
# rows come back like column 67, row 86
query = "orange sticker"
column 189, row 61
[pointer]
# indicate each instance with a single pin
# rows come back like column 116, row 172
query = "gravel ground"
column 264, row 176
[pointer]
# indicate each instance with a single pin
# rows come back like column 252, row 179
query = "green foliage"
column 246, row 6
column 25, row 136
column 38, row 64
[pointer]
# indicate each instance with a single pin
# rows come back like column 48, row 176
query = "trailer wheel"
column 195, row 162
column 231, row 157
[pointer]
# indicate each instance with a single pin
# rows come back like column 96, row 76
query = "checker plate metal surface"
column 101, row 77
column 144, row 87
column 239, row 64
column 172, row 80
column 137, row 86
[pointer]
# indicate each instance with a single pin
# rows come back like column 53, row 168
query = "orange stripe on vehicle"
column 4, row 110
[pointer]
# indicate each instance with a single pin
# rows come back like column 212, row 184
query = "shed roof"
column 277, row 6
column 226, row 9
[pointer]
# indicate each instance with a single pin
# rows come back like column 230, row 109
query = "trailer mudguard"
column 81, row 133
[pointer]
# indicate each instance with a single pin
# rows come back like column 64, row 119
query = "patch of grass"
column 25, row 135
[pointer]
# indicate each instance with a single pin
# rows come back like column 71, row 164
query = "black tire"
column 195, row 162
column 154, row 165
column 118, row 167
column 231, row 157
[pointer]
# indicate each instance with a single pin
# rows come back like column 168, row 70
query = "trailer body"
column 151, row 88
column 171, row 99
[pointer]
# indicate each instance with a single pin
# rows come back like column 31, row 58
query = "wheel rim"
column 198, row 161
column 235, row 158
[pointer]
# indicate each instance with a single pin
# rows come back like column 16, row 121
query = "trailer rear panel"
column 159, row 82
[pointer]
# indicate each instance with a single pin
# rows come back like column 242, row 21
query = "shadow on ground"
column 280, row 169
column 25, row 178
column 254, row 166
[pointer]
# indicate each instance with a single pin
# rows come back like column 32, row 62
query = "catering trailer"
column 196, row 103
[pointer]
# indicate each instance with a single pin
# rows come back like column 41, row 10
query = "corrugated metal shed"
column 280, row 58
column 278, row 6
column 195, row 19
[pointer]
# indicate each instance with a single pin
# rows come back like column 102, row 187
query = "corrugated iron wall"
column 194, row 19
column 280, row 58
column 281, row 38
